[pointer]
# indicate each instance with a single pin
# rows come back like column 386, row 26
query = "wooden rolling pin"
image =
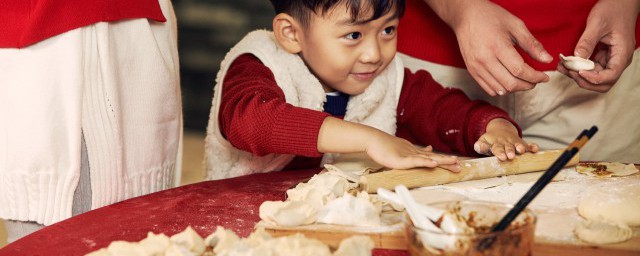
column 474, row 169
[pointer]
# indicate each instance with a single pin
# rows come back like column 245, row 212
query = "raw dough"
column 189, row 240
column 155, row 244
column 351, row 211
column 221, row 240
column 576, row 63
column 226, row 242
column 336, row 184
column 605, row 169
column 124, row 248
column 355, row 246
column 598, row 232
column 287, row 213
column 315, row 196
column 616, row 204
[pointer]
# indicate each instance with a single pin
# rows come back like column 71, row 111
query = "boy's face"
column 347, row 56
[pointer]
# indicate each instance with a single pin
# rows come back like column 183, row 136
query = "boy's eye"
column 353, row 35
column 389, row 30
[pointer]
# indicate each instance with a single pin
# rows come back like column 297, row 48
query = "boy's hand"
column 501, row 139
column 339, row 136
column 398, row 153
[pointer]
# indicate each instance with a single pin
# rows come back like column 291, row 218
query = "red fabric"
column 231, row 203
column 27, row 22
column 428, row 114
column 556, row 24
column 445, row 118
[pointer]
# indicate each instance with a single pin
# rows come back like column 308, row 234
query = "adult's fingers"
column 613, row 65
column 520, row 75
column 523, row 38
column 588, row 40
column 488, row 79
column 507, row 79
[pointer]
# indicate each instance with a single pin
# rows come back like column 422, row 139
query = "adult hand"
column 611, row 23
column 487, row 35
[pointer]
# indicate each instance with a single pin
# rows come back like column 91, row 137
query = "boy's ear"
column 287, row 31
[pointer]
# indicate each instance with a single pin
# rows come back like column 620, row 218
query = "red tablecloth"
column 231, row 203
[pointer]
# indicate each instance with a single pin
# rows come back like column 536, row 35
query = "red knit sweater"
column 255, row 117
column 25, row 22
column 556, row 24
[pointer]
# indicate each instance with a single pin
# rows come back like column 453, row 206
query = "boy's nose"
column 371, row 53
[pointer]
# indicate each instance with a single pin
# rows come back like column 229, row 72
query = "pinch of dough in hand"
column 576, row 63
column 598, row 232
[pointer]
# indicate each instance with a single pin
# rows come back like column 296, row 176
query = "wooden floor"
column 192, row 167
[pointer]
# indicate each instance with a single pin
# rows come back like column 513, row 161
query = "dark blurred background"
column 207, row 29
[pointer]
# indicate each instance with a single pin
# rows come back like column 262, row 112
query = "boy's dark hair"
column 302, row 9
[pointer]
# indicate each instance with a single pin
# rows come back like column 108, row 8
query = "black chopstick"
column 548, row 175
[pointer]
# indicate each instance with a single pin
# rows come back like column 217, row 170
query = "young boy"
column 327, row 80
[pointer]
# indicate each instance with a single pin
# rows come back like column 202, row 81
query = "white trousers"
column 115, row 82
column 554, row 113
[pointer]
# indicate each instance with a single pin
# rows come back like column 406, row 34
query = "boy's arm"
column 255, row 117
column 445, row 118
column 339, row 136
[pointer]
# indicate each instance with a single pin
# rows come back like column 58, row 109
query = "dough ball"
column 616, row 204
column 598, row 232
column 576, row 63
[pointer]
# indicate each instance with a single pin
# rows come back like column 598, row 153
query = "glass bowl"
column 517, row 239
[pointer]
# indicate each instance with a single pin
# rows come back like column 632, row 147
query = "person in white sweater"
column 88, row 117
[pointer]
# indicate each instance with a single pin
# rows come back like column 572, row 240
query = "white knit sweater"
column 125, row 100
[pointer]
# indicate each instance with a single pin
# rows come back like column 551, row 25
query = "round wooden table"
column 230, row 203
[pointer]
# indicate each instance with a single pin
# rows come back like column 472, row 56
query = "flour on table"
column 556, row 206
column 507, row 179
column 428, row 196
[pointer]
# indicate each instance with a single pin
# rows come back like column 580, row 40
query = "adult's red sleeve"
column 444, row 118
column 255, row 117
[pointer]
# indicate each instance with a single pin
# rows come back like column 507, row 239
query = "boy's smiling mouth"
column 364, row 76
